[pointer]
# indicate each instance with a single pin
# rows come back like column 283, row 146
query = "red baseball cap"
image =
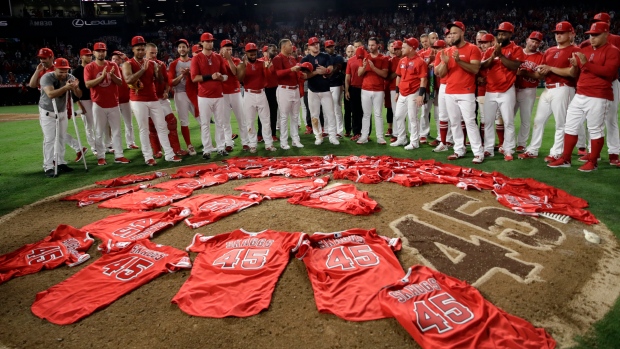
column 86, row 52
column 397, row 44
column 226, row 42
column 458, row 24
column 505, row 27
column 412, row 42
column 487, row 38
column 329, row 43
column 100, row 46
column 45, row 53
column 206, row 37
column 306, row 66
column 598, row 28
column 439, row 44
column 118, row 53
column 536, row 36
column 137, row 40
column 294, row 48
column 181, row 41
column 61, row 63
column 602, row 17
column 563, row 27
column 250, row 46
column 196, row 48
column 360, row 52
column 446, row 32
column 313, row 40
column 265, row 48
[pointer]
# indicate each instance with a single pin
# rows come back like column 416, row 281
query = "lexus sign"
column 79, row 23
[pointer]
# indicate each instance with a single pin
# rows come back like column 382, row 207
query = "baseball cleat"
column 50, row 173
column 318, row 141
column 423, row 140
column 191, row 150
column 308, row 130
column 252, row 150
column 582, row 151
column 121, row 160
column 274, row 138
column 133, row 146
column 381, row 141
column 508, row 157
column 355, row 137
column 454, row 156
column 285, row 146
column 151, row 162
column 234, row 136
column 338, row 135
column 477, row 160
column 527, row 155
column 552, row 158
column 181, row 152
column 520, row 149
column 488, row 154
column 245, row 148
column 434, row 143
column 222, row 153
column 229, row 148
column 80, row 154
column 297, row 144
column 440, row 148
column 206, row 156
column 411, row 146
column 334, row 140
column 271, row 148
column 259, row 139
column 362, row 140
column 559, row 163
column 588, row 167
column 398, row 143
column 175, row 159
column 101, row 162
column 158, row 155
column 64, row 168
column 389, row 132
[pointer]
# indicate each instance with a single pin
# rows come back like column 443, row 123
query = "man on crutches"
column 53, row 115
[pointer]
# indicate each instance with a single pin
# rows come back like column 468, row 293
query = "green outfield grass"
column 22, row 180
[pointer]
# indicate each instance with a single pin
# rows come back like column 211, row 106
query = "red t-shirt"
column 440, row 311
column 353, row 65
column 343, row 198
column 499, row 77
column 235, row 273
column 203, row 65
column 438, row 80
column 599, row 71
column 204, row 181
column 411, row 71
column 282, row 65
column 64, row 245
column 272, row 78
column 122, row 270
column 210, row 208
column 278, row 187
column 143, row 200
column 147, row 93
column 347, row 269
column 160, row 87
column 105, row 94
column 256, row 76
column 459, row 81
column 370, row 80
column 91, row 196
column 392, row 69
column 129, row 179
column 231, row 85
column 559, row 58
column 123, row 91
column 425, row 54
column 532, row 61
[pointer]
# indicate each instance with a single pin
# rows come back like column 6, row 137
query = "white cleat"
column 441, row 148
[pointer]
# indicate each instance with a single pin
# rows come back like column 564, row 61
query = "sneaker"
column 613, row 160
column 496, row 147
column 229, row 148
column 121, row 160
column 334, row 140
column 158, row 155
column 271, row 148
column 234, row 136
column 308, row 130
column 191, row 150
column 501, row 150
column 552, row 158
column 110, row 150
column 348, row 134
column 285, row 146
column 297, row 144
column 245, row 148
column 454, row 156
column 206, row 156
column 508, row 157
column 252, row 150
column 50, row 173
column 338, row 135
column 324, row 134
column 80, row 154
column 588, row 167
column 133, row 146
column 584, row 158
column 355, row 138
column 520, row 149
column 434, row 143
column 381, row 141
column 397, row 143
column 440, row 148
column 222, row 153
column 488, row 154
column 477, row 160
column 64, row 168
column 259, row 139
column 410, row 146
column 175, row 159
column 274, row 138
column 560, row 162
column 450, row 144
column 318, row 141
column 151, row 162
column 582, row 151
column 182, row 152
column 362, row 140
column 101, row 162
column 423, row 140
column 527, row 155
column 389, row 132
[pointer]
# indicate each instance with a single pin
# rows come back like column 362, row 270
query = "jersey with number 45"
column 126, row 267
column 347, row 269
column 440, row 311
column 235, row 273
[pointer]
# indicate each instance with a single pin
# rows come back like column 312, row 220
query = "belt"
column 253, row 91
column 557, row 84
column 289, row 87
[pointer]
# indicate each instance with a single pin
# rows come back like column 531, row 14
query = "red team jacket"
column 64, row 245
column 123, row 269
column 235, row 273
column 440, row 311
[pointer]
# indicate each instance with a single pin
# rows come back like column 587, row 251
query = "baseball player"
column 287, row 73
column 444, row 138
column 373, row 71
column 559, row 90
column 411, row 81
column 269, row 52
column 140, row 74
column 428, row 56
column 208, row 69
column 103, row 78
column 55, row 85
column 502, row 62
column 336, row 81
column 232, row 96
column 319, row 94
column 395, row 54
column 348, row 113
column 85, row 103
column 255, row 73
column 459, row 66
column 179, row 77
column 46, row 65
column 123, row 102
column 526, row 86
column 598, row 66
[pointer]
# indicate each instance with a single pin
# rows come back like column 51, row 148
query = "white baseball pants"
column 525, row 104
column 254, row 103
column 316, row 100
column 406, row 106
column 234, row 101
column 372, row 103
column 505, row 102
column 336, row 92
column 556, row 101
column 288, row 107
column 217, row 108
column 48, row 125
column 142, row 111
column 463, row 107
column 103, row 117
column 126, row 114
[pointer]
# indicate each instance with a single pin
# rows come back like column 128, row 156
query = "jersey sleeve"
column 172, row 70
column 194, row 68
column 475, row 54
column 199, row 243
column 180, row 263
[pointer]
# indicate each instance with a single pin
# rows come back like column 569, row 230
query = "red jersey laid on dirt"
column 532, row 61
column 440, row 311
column 371, row 81
column 122, row 270
column 92, row 196
column 235, row 273
column 209, row 208
column 147, row 92
column 203, row 65
column 194, row 171
column 105, row 94
column 459, row 81
column 411, row 71
column 143, row 201
column 204, row 181
column 232, row 84
column 499, row 77
column 559, row 58
column 130, row 179
column 348, row 268
column 343, row 198
column 134, row 226
column 278, row 188
column 64, row 245
column 599, row 71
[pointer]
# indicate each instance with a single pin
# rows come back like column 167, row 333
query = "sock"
column 464, row 129
column 153, row 138
column 443, row 131
column 173, row 135
column 185, row 132
column 500, row 134
column 482, row 132
column 595, row 149
column 569, row 144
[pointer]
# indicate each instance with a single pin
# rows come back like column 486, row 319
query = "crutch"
column 77, row 131
column 56, row 138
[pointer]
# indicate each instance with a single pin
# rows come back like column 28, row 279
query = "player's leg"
column 221, row 111
column 327, row 103
column 204, row 106
column 250, row 101
column 454, row 113
column 62, row 134
column 414, row 121
column 141, row 112
column 543, row 112
column 284, row 108
column 273, row 110
column 559, row 106
column 367, row 106
column 226, row 126
column 296, row 141
column 183, row 105
column 48, row 126
column 574, row 116
column 347, row 114
column 336, row 93
column 172, row 124
column 89, row 122
column 159, row 119
column 611, row 122
column 595, row 116
column 264, row 114
column 377, row 110
column 314, row 102
column 357, row 112
column 114, row 120
column 525, row 101
column 236, row 102
column 443, row 127
column 490, row 110
column 100, row 127
column 425, row 121
column 467, row 107
column 130, row 140
column 398, row 123
column 506, row 105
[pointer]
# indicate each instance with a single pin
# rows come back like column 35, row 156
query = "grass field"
column 22, row 180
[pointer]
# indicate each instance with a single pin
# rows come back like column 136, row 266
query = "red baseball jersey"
column 559, row 58
column 122, row 270
column 160, row 86
column 134, row 226
column 393, row 65
column 123, row 91
column 232, row 84
column 256, row 75
column 599, row 71
column 348, row 268
column 64, row 245
column 235, row 273
column 277, row 187
column 146, row 200
column 209, row 208
column 204, row 181
column 105, row 94
column 91, row 196
column 440, row 311
column 208, row 65
column 353, row 65
column 459, row 81
column 147, row 92
column 532, row 61
column 499, row 77
column 282, row 65
column 371, row 81
column 366, row 175
column 194, row 171
column 411, row 71
column 343, row 198
column 130, row 179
